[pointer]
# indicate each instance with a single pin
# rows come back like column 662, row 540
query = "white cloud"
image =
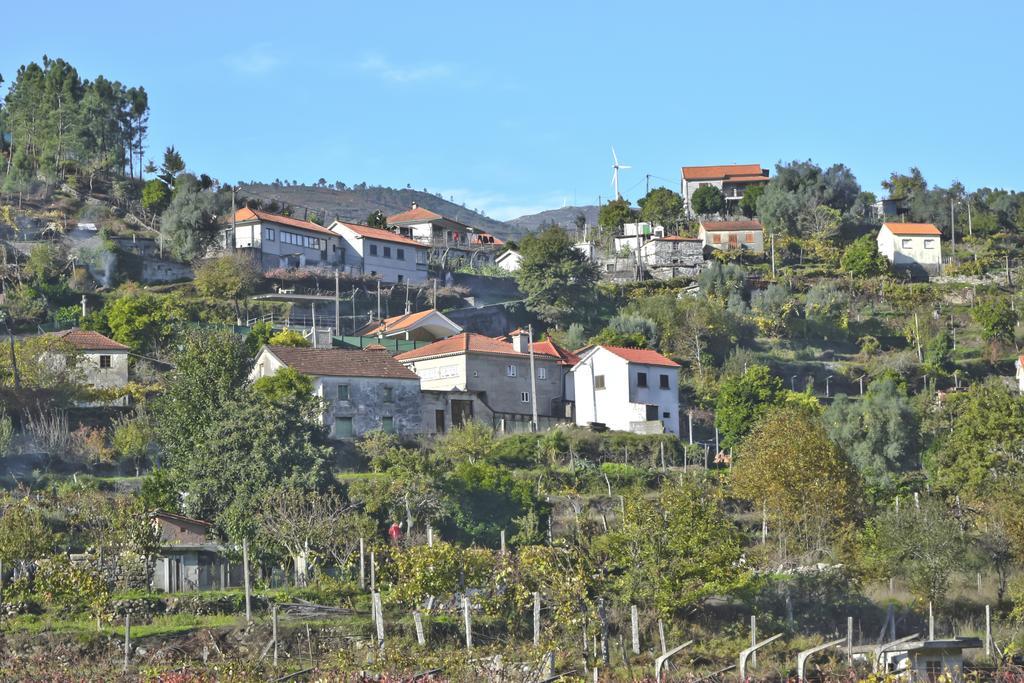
column 377, row 65
column 255, row 60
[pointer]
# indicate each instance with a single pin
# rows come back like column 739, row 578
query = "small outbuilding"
column 190, row 558
column 928, row 660
column 913, row 247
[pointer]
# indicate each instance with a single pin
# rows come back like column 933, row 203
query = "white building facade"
column 633, row 390
column 911, row 246
column 277, row 241
column 746, row 235
column 382, row 253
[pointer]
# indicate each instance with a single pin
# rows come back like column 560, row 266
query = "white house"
column 635, row 390
column 428, row 325
column 449, row 240
column 1019, row 364
column 509, row 260
column 365, row 389
column 277, row 241
column 105, row 361
column 635, row 235
column 747, row 235
column 382, row 253
column 912, row 246
column 731, row 179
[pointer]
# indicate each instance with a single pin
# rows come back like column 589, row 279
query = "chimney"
column 415, row 205
column 520, row 340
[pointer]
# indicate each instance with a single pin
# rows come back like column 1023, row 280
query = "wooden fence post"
column 469, row 623
column 536, row 619
column 127, row 640
column 273, row 626
column 661, row 636
column 634, row 618
column 379, row 612
column 362, row 564
column 418, row 621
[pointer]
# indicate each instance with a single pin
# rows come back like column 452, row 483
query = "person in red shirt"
column 395, row 532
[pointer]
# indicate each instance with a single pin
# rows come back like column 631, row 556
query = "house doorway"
column 439, row 421
column 652, row 413
column 462, row 412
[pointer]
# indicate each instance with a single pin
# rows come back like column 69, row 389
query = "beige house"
column 747, row 235
column 494, row 371
column 104, row 361
column 731, row 179
column 277, row 241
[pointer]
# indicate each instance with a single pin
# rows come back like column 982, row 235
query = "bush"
column 627, row 475
column 861, row 258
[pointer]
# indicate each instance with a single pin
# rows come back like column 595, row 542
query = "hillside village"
column 766, row 423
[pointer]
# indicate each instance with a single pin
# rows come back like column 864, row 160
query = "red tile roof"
column 751, row 172
column 395, row 323
column 467, row 342
column 643, row 356
column 416, row 214
column 912, row 228
column 342, row 362
column 86, row 340
column 379, row 234
column 247, row 214
column 724, row 226
column 552, row 349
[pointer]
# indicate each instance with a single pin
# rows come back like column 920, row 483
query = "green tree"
column 155, row 195
column 742, row 400
column 291, row 338
column 997, row 319
column 707, row 200
column 171, row 167
column 24, row 535
column 675, row 552
column 232, row 276
column 486, row 499
column 862, row 259
column 788, row 467
column 614, row 213
column 259, row 334
column 132, row 437
column 662, row 206
column 879, row 432
column 748, row 204
column 285, row 387
column 377, row 219
column 558, row 280
column 142, row 320
column 924, row 546
column 46, row 262
column 189, row 222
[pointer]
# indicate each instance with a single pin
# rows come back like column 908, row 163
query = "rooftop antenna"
column 616, row 166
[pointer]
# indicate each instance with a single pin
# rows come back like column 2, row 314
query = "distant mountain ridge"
column 566, row 217
column 355, row 204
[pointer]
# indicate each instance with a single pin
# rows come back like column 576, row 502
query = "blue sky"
column 513, row 107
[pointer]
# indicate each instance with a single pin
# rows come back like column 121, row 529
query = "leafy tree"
column 172, row 165
column 142, row 320
column 630, row 330
column 662, row 206
column 259, row 334
column 675, row 552
column 46, row 262
column 155, row 195
column 377, row 219
column 210, row 367
column 902, row 186
column 707, row 200
column 879, row 432
column 285, row 387
column 981, row 439
column 922, row 546
column 189, row 222
column 160, row 492
column 131, row 438
column 232, row 276
column 742, row 400
column 486, row 499
column 291, row 338
column 472, row 442
column 862, row 258
column 751, row 195
column 614, row 213
column 558, row 280
column 997, row 319
column 788, row 466
column 24, row 535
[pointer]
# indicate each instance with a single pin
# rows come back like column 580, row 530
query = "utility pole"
column 533, row 379
column 245, row 580
column 952, row 229
column 14, row 359
column 773, row 254
column 970, row 225
column 648, row 185
column 337, row 304
column 378, row 300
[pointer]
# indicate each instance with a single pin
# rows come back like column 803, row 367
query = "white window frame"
column 542, row 373
column 525, row 397
column 270, row 234
column 511, row 370
column 929, row 244
column 906, row 243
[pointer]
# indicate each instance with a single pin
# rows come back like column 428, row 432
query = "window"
column 929, row 244
column 525, row 397
column 401, row 279
column 342, row 427
column 666, row 415
column 599, row 382
column 749, row 238
column 905, row 244
column 511, row 371
column 400, row 254
column 542, row 373
column 104, row 361
column 342, row 392
column 641, row 379
column 373, row 250
column 387, row 425
column 387, row 252
column 933, row 669
column 389, row 394
column 663, row 381
column 716, row 238
column 270, row 234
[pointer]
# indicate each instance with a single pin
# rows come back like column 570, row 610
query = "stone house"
column 731, row 179
column 634, row 390
column 495, row 372
column 105, row 361
column 668, row 257
column 364, row 389
column 190, row 558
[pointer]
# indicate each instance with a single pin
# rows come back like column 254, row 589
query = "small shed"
column 929, row 660
column 190, row 559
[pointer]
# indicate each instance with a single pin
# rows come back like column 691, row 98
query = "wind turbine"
column 615, row 173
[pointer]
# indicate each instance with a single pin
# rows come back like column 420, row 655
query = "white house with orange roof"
column 277, row 241
column 630, row 390
column 731, row 179
column 429, row 325
column 449, row 239
column 382, row 253
column 911, row 246
column 104, row 361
